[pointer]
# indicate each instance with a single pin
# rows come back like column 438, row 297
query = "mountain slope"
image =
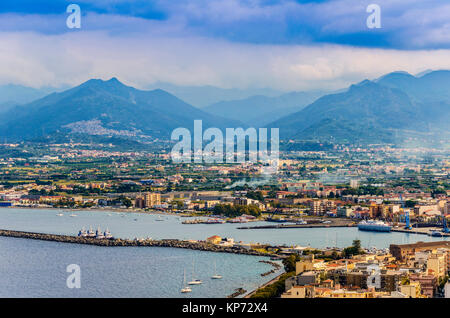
column 260, row 110
column 431, row 87
column 99, row 107
column 367, row 112
column 203, row 96
column 12, row 94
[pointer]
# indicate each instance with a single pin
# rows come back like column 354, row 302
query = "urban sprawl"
column 374, row 187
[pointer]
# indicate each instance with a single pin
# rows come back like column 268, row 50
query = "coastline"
column 273, row 280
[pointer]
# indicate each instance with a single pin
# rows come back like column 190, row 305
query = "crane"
column 406, row 212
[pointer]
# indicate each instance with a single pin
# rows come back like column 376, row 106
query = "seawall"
column 174, row 243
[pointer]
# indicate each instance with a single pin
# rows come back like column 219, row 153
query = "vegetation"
column 355, row 249
column 236, row 210
column 275, row 289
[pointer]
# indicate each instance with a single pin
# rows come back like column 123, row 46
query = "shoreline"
column 273, row 280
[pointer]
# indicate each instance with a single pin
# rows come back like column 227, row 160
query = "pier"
column 174, row 243
column 294, row 226
column 422, row 231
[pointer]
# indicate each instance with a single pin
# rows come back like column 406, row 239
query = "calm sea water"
column 30, row 268
column 132, row 225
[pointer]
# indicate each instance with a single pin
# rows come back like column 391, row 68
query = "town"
column 327, row 186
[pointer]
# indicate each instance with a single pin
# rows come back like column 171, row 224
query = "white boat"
column 107, row 234
column 185, row 289
column 159, row 218
column 90, row 232
column 82, row 233
column 373, row 225
column 73, row 215
column 59, row 214
column 216, row 276
column 194, row 281
column 99, row 234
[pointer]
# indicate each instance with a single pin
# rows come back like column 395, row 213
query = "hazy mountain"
column 431, row 87
column 202, row 96
column 99, row 107
column 367, row 112
column 260, row 110
column 17, row 94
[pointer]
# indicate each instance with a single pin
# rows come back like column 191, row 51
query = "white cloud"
column 37, row 60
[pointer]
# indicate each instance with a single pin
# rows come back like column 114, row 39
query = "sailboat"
column 194, row 281
column 185, row 289
column 216, row 276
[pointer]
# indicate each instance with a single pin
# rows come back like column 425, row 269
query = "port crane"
column 406, row 212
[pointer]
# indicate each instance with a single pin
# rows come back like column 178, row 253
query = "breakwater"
column 294, row 226
column 174, row 243
column 275, row 265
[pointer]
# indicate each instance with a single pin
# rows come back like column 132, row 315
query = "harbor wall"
column 174, row 243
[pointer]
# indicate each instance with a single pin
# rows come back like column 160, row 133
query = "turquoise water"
column 131, row 225
column 31, row 268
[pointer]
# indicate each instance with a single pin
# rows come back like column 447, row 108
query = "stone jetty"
column 193, row 245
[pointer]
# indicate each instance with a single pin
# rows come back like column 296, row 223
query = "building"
column 437, row 264
column 215, row 239
column 148, row 200
column 402, row 252
column 411, row 291
column 428, row 283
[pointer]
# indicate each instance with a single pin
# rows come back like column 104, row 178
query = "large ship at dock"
column 373, row 225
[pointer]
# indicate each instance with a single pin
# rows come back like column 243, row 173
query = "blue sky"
column 283, row 44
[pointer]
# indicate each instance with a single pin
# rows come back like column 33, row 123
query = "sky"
column 280, row 44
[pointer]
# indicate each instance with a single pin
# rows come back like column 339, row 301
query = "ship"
column 373, row 225
column 214, row 221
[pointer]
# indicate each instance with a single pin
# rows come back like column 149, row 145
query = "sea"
column 31, row 268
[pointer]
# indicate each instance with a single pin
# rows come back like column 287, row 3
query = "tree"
column 355, row 249
column 289, row 262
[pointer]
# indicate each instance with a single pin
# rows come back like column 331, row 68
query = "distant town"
column 374, row 188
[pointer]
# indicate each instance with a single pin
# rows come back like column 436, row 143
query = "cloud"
column 406, row 24
column 284, row 44
column 36, row 59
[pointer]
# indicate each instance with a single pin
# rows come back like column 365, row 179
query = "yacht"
column 436, row 234
column 185, row 289
column 99, row 234
column 194, row 281
column 107, row 234
column 216, row 276
column 90, row 232
column 82, row 233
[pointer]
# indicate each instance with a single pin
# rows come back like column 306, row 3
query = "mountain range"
column 260, row 110
column 385, row 110
column 389, row 109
